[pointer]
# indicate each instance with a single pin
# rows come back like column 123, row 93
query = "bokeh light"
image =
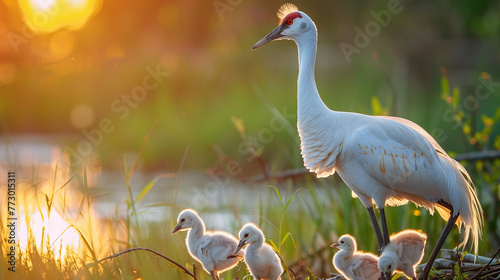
column 8, row 72
column 43, row 16
column 82, row 116
column 61, row 44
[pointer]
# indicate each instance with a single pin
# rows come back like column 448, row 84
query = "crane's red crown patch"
column 288, row 11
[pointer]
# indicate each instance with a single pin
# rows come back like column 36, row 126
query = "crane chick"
column 213, row 249
column 403, row 253
column 353, row 264
column 260, row 258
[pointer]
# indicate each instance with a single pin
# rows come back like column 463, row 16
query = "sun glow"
column 53, row 229
column 56, row 221
column 44, row 16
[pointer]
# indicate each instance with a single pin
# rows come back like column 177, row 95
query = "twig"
column 489, row 272
column 288, row 269
column 280, row 175
column 482, row 155
column 492, row 258
column 194, row 270
column 185, row 270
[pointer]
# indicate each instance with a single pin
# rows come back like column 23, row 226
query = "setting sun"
column 50, row 15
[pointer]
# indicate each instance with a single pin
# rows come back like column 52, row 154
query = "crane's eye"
column 289, row 22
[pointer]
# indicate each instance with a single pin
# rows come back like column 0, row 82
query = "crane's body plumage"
column 383, row 160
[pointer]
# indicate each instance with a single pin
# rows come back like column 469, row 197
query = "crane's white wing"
column 222, row 245
column 400, row 159
column 418, row 129
column 320, row 145
column 204, row 254
column 409, row 164
column 412, row 249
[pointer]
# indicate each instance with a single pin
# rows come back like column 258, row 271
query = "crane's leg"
column 384, row 226
column 449, row 225
column 388, row 275
column 380, row 239
column 376, row 227
column 214, row 276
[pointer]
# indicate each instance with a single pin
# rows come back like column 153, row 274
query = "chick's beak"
column 176, row 228
column 274, row 35
column 335, row 245
column 240, row 245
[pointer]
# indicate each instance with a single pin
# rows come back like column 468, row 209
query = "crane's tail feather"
column 463, row 197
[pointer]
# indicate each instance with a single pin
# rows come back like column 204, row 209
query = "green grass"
column 301, row 218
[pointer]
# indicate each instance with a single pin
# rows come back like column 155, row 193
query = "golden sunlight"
column 53, row 229
column 44, row 16
column 56, row 220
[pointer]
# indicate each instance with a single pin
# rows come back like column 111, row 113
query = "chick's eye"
column 289, row 22
column 246, row 235
column 390, row 266
column 183, row 220
column 342, row 241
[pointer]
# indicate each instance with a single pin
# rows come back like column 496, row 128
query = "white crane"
column 213, row 249
column 383, row 160
column 403, row 253
column 353, row 264
column 261, row 259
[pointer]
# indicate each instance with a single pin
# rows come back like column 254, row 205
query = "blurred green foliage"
column 211, row 70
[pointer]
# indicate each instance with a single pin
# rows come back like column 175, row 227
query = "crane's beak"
column 240, row 245
column 274, row 35
column 335, row 245
column 176, row 228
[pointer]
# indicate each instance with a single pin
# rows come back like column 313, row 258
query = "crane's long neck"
column 309, row 102
column 340, row 260
column 253, row 248
column 196, row 232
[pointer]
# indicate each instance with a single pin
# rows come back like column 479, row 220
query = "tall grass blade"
column 149, row 186
column 177, row 182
